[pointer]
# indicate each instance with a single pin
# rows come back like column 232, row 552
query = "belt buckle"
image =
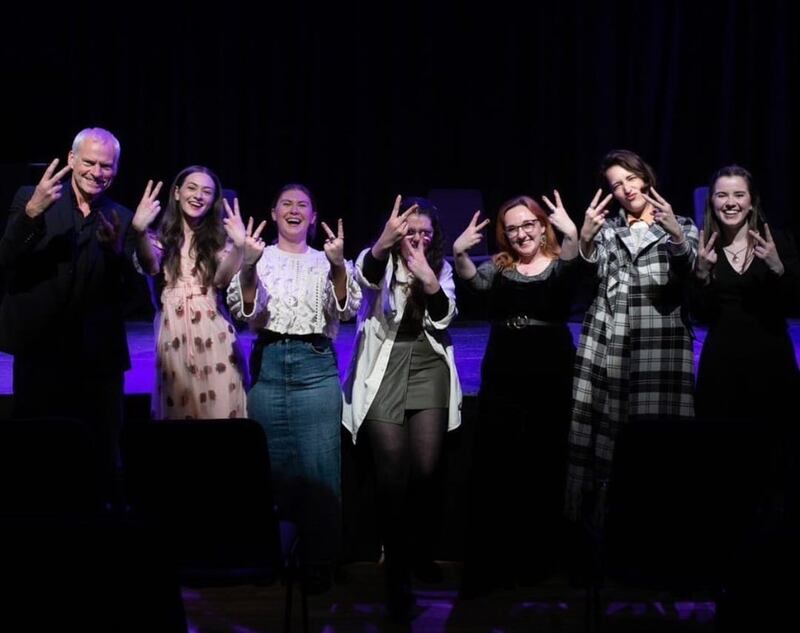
column 517, row 322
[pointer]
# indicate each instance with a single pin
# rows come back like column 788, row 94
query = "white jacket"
column 378, row 321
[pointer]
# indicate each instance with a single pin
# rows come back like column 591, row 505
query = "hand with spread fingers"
column 472, row 235
column 47, row 191
column 253, row 244
column 663, row 214
column 559, row 217
column 417, row 264
column 233, row 224
column 148, row 209
column 593, row 221
column 764, row 248
column 394, row 230
column 334, row 244
column 706, row 255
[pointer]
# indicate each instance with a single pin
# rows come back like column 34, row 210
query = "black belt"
column 520, row 322
column 267, row 337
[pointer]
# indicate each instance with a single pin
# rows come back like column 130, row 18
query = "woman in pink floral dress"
column 193, row 254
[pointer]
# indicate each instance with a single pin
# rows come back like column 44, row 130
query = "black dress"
column 747, row 387
column 520, row 442
column 747, row 369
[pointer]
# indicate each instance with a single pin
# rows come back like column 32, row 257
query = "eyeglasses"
column 527, row 227
column 425, row 234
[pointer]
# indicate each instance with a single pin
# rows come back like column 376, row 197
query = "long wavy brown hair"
column 209, row 235
column 711, row 223
column 506, row 258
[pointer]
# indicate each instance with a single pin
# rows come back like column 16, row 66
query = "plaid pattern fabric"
column 635, row 357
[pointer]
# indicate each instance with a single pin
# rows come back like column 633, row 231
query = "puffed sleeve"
column 236, row 302
column 352, row 301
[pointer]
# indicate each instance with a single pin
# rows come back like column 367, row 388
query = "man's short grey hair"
column 100, row 134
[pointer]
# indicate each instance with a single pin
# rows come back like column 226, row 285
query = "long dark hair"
column 209, row 234
column 711, row 223
column 434, row 253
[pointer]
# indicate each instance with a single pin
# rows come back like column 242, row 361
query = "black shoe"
column 427, row 571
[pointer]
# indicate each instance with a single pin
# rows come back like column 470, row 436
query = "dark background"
column 364, row 102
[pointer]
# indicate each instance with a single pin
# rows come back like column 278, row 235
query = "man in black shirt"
column 63, row 255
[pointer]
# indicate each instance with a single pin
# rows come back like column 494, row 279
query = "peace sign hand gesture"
column 706, row 255
column 394, row 230
column 233, row 224
column 148, row 209
column 253, row 244
column 334, row 245
column 663, row 214
column 559, row 217
column 471, row 236
column 418, row 265
column 764, row 249
column 47, row 191
column 594, row 218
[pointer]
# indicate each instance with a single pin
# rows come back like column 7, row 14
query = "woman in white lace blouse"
column 294, row 297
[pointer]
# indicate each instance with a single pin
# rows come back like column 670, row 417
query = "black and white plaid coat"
column 635, row 358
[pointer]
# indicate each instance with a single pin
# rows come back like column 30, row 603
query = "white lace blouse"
column 295, row 295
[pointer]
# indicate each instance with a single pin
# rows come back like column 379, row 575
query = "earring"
column 544, row 239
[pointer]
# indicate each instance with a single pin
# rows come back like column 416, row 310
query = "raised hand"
column 662, row 213
column 595, row 217
column 47, row 191
column 233, row 224
column 471, row 236
column 418, row 265
column 559, row 217
column 109, row 234
column 253, row 244
column 148, row 209
column 706, row 255
column 394, row 230
column 334, row 245
column 764, row 248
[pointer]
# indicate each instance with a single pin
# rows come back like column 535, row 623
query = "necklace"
column 735, row 254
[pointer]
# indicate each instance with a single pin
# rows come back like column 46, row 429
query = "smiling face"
column 523, row 231
column 94, row 165
column 196, row 195
column 732, row 202
column 294, row 216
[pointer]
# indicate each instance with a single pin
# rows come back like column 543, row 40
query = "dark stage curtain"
column 361, row 106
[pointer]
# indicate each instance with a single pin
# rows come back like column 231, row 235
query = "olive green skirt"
column 416, row 378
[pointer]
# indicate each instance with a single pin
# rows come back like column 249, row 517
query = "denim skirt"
column 297, row 398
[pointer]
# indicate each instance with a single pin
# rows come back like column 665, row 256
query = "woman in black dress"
column 526, row 376
column 747, row 284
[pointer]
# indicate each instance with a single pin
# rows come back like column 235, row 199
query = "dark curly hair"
column 434, row 253
column 630, row 161
column 209, row 235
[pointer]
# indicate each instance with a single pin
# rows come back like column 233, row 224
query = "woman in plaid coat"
column 635, row 358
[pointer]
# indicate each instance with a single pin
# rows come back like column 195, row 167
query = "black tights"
column 406, row 459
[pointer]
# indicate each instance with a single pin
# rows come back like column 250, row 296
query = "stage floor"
column 469, row 341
